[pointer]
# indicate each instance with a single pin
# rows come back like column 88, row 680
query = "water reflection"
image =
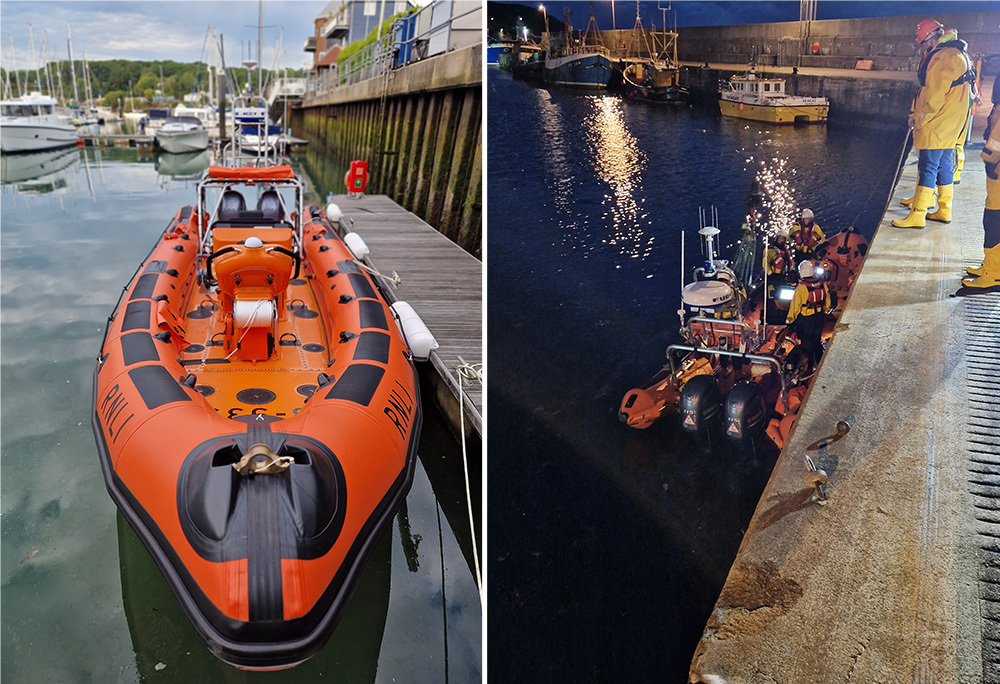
column 619, row 162
column 184, row 166
column 167, row 649
column 37, row 173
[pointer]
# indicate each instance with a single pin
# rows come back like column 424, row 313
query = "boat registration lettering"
column 112, row 406
column 399, row 408
column 259, row 411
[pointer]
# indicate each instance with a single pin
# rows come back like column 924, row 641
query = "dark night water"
column 609, row 546
column 82, row 600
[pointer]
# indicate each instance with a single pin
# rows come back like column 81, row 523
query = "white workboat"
column 30, row 123
column 182, row 134
column 750, row 96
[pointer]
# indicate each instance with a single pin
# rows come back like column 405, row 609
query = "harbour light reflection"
column 619, row 161
column 560, row 178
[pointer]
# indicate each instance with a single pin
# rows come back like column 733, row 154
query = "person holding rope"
column 988, row 275
column 939, row 118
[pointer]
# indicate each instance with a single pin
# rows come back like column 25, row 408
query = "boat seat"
column 232, row 205
column 269, row 205
column 250, row 218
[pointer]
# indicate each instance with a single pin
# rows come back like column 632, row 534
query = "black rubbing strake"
column 138, row 347
column 372, row 315
column 144, row 288
column 136, row 316
column 157, row 386
column 358, row 384
column 362, row 286
column 373, row 346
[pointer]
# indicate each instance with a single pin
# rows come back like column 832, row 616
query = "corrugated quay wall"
column 427, row 156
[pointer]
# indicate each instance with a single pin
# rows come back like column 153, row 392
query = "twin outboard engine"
column 745, row 411
column 701, row 403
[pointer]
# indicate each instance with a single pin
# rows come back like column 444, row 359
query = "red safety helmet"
column 926, row 28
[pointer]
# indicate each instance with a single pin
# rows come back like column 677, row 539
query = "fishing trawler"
column 738, row 365
column 583, row 62
column 754, row 97
column 653, row 75
column 257, row 411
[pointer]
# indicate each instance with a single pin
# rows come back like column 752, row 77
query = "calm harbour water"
column 608, row 545
column 82, row 600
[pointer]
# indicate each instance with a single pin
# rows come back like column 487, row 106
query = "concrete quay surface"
column 897, row 577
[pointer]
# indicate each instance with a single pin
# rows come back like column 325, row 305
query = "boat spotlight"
column 820, row 271
column 785, row 293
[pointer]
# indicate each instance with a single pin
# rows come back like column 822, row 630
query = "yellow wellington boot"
column 907, row 201
column 959, row 163
column 991, row 270
column 918, row 210
column 975, row 270
column 943, row 213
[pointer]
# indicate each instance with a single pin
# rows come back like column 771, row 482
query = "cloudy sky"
column 166, row 29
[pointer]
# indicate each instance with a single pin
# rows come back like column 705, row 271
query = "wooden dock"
column 440, row 280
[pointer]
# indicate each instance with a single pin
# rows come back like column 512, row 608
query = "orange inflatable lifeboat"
column 257, row 412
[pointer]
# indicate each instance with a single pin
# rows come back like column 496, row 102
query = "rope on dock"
column 469, row 371
column 393, row 280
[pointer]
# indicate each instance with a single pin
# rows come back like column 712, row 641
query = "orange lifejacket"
column 805, row 238
column 782, row 260
column 815, row 296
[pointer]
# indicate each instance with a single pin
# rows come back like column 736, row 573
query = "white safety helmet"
column 807, row 214
column 806, row 269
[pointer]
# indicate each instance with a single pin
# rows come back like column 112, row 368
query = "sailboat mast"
column 62, row 93
column 260, row 39
column 72, row 64
column 45, row 56
column 13, row 63
column 34, row 56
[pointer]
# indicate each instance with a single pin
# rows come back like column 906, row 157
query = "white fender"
column 333, row 213
column 357, row 246
column 420, row 338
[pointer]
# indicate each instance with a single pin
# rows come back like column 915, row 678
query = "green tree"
column 112, row 98
column 147, row 82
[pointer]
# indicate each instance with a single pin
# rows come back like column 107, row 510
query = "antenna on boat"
column 680, row 311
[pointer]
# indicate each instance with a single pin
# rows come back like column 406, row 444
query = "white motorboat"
column 182, row 134
column 29, row 123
